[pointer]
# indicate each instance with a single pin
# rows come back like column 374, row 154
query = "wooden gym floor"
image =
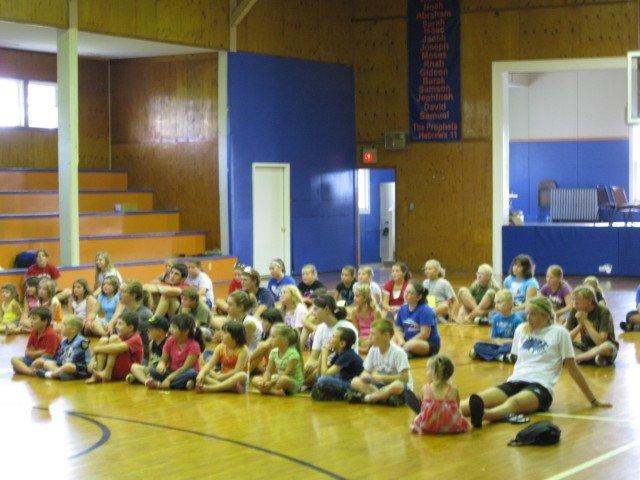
column 69, row 430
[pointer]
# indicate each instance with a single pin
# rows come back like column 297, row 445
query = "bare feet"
column 103, row 375
column 91, row 379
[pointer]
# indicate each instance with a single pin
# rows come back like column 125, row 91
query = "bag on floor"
column 539, row 433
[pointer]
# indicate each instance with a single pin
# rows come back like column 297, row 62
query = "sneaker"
column 476, row 408
column 41, row 372
column 354, row 397
column 130, row 378
column 472, row 353
column 190, row 384
column 509, row 358
column 395, row 401
column 151, row 384
column 240, row 387
column 602, row 361
column 624, row 326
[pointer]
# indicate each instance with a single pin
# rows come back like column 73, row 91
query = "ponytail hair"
column 186, row 323
column 442, row 368
column 246, row 300
column 327, row 301
column 292, row 336
column 433, row 263
column 406, row 273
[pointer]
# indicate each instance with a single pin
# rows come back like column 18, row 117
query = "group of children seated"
column 173, row 334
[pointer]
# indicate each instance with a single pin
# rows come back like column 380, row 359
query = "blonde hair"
column 442, row 368
column 292, row 336
column 487, row 270
column 503, row 295
column 540, row 305
column 368, row 271
column 365, row 291
column 592, row 282
column 555, row 271
column 49, row 285
column 312, row 267
column 296, row 296
column 72, row 320
column 586, row 292
column 433, row 263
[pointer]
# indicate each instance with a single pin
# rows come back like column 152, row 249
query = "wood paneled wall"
column 165, row 133
column 203, row 23
column 309, row 29
column 39, row 12
column 450, row 184
column 38, row 148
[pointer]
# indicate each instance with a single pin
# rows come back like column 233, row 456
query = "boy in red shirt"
column 43, row 342
column 114, row 355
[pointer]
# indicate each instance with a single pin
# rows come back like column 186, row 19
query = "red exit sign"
column 369, row 155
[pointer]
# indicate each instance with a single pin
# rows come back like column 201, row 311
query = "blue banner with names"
column 434, row 70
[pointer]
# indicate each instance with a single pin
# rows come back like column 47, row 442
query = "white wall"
column 569, row 105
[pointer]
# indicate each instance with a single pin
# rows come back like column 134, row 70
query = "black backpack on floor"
column 539, row 433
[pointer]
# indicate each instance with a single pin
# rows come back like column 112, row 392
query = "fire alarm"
column 369, row 155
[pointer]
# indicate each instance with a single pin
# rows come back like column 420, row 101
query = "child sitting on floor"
column 386, row 370
column 232, row 356
column 440, row 408
column 43, row 342
column 114, row 356
column 158, row 330
column 178, row 367
column 10, row 311
column 73, row 356
column 284, row 373
column 504, row 323
column 337, row 373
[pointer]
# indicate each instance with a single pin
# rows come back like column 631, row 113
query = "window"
column 42, row 103
column 364, row 201
column 37, row 109
column 12, row 101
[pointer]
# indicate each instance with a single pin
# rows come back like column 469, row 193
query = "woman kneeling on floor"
column 542, row 349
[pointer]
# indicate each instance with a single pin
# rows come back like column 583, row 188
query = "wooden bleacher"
column 139, row 242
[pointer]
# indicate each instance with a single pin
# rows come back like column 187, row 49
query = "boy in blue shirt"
column 337, row 372
column 503, row 326
column 72, row 357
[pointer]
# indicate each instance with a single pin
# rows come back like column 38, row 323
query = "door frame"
column 500, row 71
column 285, row 167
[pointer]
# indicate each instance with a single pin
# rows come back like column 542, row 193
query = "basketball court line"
column 584, row 417
column 594, row 461
column 87, row 415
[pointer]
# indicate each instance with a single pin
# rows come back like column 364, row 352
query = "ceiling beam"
column 241, row 11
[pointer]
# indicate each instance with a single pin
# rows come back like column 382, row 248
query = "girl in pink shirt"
column 178, row 366
column 365, row 311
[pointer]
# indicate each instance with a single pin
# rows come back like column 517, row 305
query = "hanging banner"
column 434, row 70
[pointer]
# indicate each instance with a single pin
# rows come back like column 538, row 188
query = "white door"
column 271, row 215
column 387, row 221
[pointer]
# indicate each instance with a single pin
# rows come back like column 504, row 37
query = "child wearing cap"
column 158, row 334
column 43, row 342
column 73, row 356
column 114, row 356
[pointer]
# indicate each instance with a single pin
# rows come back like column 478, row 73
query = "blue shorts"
column 28, row 360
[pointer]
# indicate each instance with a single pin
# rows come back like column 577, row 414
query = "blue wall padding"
column 370, row 223
column 302, row 113
column 571, row 163
column 578, row 250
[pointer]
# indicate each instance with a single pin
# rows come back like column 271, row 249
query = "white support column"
column 68, row 139
column 223, row 150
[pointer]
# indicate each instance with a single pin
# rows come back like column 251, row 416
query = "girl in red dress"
column 440, row 408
